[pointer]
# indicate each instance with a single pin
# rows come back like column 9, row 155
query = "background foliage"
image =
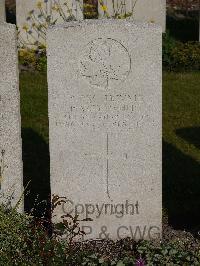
column 179, row 56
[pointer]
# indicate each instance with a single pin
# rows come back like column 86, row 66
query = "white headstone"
column 2, row 11
column 105, row 98
column 153, row 11
column 11, row 178
column 52, row 7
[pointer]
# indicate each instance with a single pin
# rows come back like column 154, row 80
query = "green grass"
column 181, row 143
column 181, row 154
column 34, row 113
column 181, row 107
column 34, row 104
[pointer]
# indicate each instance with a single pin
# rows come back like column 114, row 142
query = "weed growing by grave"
column 47, row 12
column 119, row 9
column 24, row 240
column 68, row 225
column 33, row 59
column 32, row 43
column 90, row 9
column 178, row 56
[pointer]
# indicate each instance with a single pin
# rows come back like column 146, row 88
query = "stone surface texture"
column 105, row 118
column 11, row 177
column 2, row 11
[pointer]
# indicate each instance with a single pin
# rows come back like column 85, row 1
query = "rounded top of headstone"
column 98, row 22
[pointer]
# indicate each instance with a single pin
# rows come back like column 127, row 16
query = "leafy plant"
column 39, row 19
column 119, row 9
column 168, row 45
column 24, row 240
column 21, row 240
column 47, row 12
column 33, row 59
column 180, row 56
column 68, row 225
column 172, row 253
column 90, row 9
column 187, row 56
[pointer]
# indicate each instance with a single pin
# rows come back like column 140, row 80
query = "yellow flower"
column 104, row 8
column 39, row 4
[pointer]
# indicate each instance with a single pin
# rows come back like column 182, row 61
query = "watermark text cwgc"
column 134, row 232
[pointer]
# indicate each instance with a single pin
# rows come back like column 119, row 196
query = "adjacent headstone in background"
column 142, row 10
column 2, row 11
column 11, row 177
column 24, row 9
column 109, row 8
column 105, row 98
column 151, row 11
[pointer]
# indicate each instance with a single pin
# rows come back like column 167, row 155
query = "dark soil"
column 110, row 250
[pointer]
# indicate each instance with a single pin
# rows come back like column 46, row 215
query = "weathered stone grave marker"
column 11, row 179
column 142, row 10
column 105, row 99
column 2, row 11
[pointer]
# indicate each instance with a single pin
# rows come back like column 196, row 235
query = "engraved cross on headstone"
column 109, row 154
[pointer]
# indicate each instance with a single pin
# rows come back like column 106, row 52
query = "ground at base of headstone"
column 181, row 166
column 24, row 241
column 171, row 240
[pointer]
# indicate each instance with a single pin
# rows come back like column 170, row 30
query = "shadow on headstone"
column 35, row 153
column 181, row 188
